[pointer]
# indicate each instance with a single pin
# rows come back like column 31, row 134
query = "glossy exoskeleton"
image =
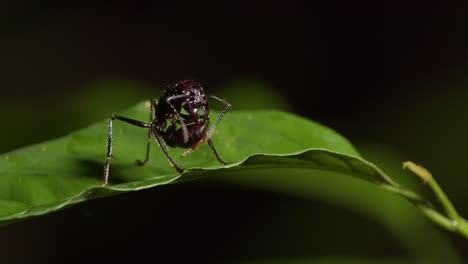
column 180, row 118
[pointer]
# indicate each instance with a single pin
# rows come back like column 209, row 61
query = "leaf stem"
column 446, row 203
column 452, row 221
column 459, row 223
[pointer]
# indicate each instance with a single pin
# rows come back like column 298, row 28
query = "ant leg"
column 148, row 144
column 185, row 133
column 210, row 143
column 109, row 141
column 226, row 108
column 164, row 148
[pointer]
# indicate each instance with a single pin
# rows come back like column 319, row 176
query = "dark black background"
column 337, row 62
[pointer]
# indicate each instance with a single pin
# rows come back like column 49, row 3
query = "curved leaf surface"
column 54, row 174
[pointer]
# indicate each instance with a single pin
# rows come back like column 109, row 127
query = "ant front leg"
column 227, row 106
column 148, row 143
column 109, row 141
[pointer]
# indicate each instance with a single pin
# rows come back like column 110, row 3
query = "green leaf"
column 51, row 175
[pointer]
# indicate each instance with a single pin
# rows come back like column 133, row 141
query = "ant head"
column 189, row 87
column 193, row 89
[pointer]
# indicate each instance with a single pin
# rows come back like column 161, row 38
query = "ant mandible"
column 180, row 118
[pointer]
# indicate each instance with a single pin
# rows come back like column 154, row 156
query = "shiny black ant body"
column 180, row 118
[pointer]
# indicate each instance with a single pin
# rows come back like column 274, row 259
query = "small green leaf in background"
column 92, row 102
column 253, row 94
